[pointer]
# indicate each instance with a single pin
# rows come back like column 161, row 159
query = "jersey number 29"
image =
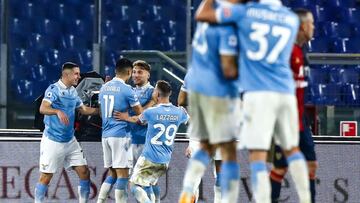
column 169, row 132
column 260, row 30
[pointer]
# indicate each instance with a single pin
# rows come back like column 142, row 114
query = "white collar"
column 119, row 79
column 147, row 85
column 165, row 104
column 271, row 2
column 62, row 85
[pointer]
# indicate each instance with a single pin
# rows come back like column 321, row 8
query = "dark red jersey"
column 297, row 66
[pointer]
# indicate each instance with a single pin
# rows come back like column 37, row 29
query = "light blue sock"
column 84, row 189
column 195, row 170
column 156, row 190
column 218, row 180
column 121, row 194
column 111, row 180
column 40, row 191
column 260, row 181
column 229, row 181
column 140, row 194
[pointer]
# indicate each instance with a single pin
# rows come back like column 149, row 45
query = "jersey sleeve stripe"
column 48, row 100
column 228, row 52
column 135, row 104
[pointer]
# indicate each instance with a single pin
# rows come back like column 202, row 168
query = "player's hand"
column 121, row 116
column 188, row 152
column 62, row 117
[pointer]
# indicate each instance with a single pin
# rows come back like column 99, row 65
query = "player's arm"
column 85, row 110
column 206, row 12
column 182, row 98
column 229, row 66
column 124, row 116
column 46, row 109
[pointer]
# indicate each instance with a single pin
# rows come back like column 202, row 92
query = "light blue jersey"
column 115, row 95
column 163, row 121
column 138, row 132
column 267, row 32
column 66, row 100
column 205, row 75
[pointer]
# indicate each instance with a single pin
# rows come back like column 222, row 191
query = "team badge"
column 49, row 94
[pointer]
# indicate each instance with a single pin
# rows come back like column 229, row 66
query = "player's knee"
column 83, row 172
column 208, row 148
column 45, row 178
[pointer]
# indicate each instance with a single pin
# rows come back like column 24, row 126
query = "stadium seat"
column 334, row 30
column 356, row 30
column 85, row 60
column 319, row 45
column 301, row 3
column 113, row 43
column 318, row 75
column 340, row 3
column 48, row 27
column 87, row 11
column 17, row 41
column 346, row 45
column 349, row 75
column 320, row 14
column 24, row 90
column 334, row 74
column 74, row 42
column 40, row 42
column 111, row 58
column 24, row 57
column 350, row 15
column 20, row 26
column 325, row 94
column 79, row 27
column 55, row 58
column 351, row 94
column 139, row 42
column 62, row 12
column 30, row 10
column 38, row 72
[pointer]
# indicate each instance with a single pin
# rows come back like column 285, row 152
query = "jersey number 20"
column 169, row 132
column 260, row 30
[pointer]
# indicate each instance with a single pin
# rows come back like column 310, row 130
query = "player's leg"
column 200, row 159
column 122, row 162
column 230, row 172
column 156, row 190
column 193, row 147
column 107, row 185
column 84, row 184
column 217, row 175
column 258, row 127
column 110, row 180
column 307, row 147
column 74, row 157
column 277, row 172
column 51, row 158
column 287, row 135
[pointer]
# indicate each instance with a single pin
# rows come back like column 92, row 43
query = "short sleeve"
column 229, row 13
column 144, row 117
column 51, row 94
column 133, row 98
column 229, row 44
column 78, row 101
column 184, row 115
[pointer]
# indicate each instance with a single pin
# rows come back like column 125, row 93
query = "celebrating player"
column 163, row 121
column 58, row 145
column 115, row 95
column 265, row 29
column 307, row 146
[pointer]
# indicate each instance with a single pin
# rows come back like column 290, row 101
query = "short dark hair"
column 122, row 65
column 302, row 13
column 142, row 65
column 69, row 66
column 164, row 88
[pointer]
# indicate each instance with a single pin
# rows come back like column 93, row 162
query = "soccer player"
column 163, row 121
column 307, row 146
column 116, row 95
column 144, row 90
column 194, row 145
column 267, row 31
column 214, row 106
column 58, row 145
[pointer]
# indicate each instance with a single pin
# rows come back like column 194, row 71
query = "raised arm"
column 206, row 12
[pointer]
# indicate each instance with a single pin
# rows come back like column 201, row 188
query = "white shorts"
column 213, row 118
column 147, row 173
column 195, row 145
column 117, row 152
column 268, row 114
column 136, row 150
column 54, row 155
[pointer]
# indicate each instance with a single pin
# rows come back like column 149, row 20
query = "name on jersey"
column 167, row 117
column 263, row 14
column 111, row 89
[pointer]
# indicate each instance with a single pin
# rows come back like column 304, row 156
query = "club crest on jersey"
column 49, row 94
column 227, row 12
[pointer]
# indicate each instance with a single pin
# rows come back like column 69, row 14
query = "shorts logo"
column 44, row 166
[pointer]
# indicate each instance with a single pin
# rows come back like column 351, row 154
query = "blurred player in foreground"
column 214, row 107
column 307, row 147
column 163, row 121
column 116, row 95
column 58, row 147
column 265, row 29
column 194, row 145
